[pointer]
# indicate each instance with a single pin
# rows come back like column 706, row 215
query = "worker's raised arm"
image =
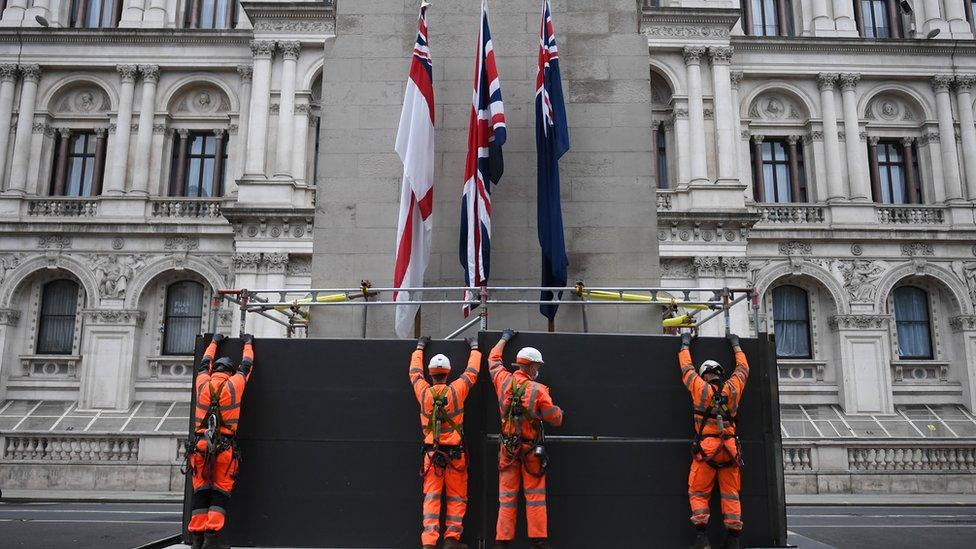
column 689, row 377
column 463, row 384
column 741, row 373
column 417, row 369
column 548, row 412
column 495, row 364
column 247, row 357
column 210, row 353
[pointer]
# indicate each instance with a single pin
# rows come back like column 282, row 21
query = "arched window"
column 791, row 322
column 56, row 330
column 183, row 318
column 912, row 321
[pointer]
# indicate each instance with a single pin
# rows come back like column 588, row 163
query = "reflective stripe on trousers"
column 510, row 480
column 437, row 482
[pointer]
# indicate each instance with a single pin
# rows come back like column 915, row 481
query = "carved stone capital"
column 693, row 54
column 793, row 139
column 31, row 72
column 721, row 54
column 826, row 80
column 907, row 141
column 942, row 82
column 965, row 82
column 9, row 317
column 246, row 72
column 736, row 78
column 276, row 262
column 247, row 261
column 263, row 49
column 127, row 73
column 758, row 138
column 150, row 73
column 873, row 140
column 8, row 72
column 303, row 108
column 290, row 49
column 849, row 80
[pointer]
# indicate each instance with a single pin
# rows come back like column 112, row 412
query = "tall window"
column 791, row 322
column 878, row 19
column 912, row 321
column 894, row 172
column 95, row 14
column 661, row 155
column 970, row 6
column 767, row 17
column 777, row 165
column 199, row 160
column 56, row 330
column 211, row 14
column 184, row 317
column 79, row 163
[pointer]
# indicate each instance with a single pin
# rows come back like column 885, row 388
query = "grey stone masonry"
column 608, row 194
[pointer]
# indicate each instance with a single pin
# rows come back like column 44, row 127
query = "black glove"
column 248, row 338
column 423, row 341
column 472, row 342
column 508, row 334
column 733, row 340
column 203, row 366
column 686, row 340
column 219, row 338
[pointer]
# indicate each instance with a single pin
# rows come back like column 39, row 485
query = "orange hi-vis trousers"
column 512, row 475
column 701, row 482
column 453, row 480
column 212, row 486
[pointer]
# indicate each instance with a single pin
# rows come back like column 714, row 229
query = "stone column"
column 98, row 172
column 156, row 13
column 123, row 130
column 876, row 193
column 856, row 172
column 61, row 167
column 835, row 185
column 683, row 162
column 246, row 72
column 257, row 136
column 286, row 107
column 181, row 141
column 14, row 12
column 299, row 157
column 132, row 16
column 8, row 81
column 276, row 266
column 220, row 149
column 25, row 129
column 724, row 136
column 821, row 17
column 147, row 113
column 933, row 17
column 793, row 142
column 947, row 135
column 844, row 17
column 955, row 14
column 758, row 178
column 964, row 103
column 931, row 140
column 735, row 78
column 911, row 183
column 696, row 114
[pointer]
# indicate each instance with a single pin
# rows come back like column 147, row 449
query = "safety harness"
column 513, row 443
column 441, row 456
column 216, row 440
column 720, row 412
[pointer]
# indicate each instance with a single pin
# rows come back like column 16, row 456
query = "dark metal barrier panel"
column 330, row 440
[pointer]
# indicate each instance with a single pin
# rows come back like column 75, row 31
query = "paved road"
column 127, row 525
column 883, row 527
column 88, row 525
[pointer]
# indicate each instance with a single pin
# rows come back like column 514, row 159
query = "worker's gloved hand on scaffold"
column 733, row 340
column 248, row 339
column 508, row 334
column 686, row 340
column 422, row 342
column 219, row 338
column 472, row 342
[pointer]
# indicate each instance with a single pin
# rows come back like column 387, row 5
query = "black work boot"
column 539, row 543
column 701, row 541
column 197, row 538
column 211, row 540
column 732, row 540
column 451, row 543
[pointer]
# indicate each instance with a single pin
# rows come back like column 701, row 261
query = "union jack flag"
column 486, row 135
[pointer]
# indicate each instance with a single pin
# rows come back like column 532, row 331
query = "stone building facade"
column 826, row 158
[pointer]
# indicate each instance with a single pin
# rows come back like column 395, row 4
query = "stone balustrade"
column 797, row 459
column 911, row 459
column 910, row 214
column 58, row 447
column 791, row 213
column 62, row 207
column 194, row 208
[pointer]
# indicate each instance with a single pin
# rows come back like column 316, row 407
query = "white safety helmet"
column 527, row 356
column 710, row 366
column 439, row 365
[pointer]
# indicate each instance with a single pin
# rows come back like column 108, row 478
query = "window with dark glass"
column 56, row 326
column 199, row 160
column 184, row 317
column 96, row 14
column 791, row 322
column 79, row 163
column 211, row 14
column 767, row 17
column 777, row 166
column 661, row 155
column 912, row 322
column 878, row 18
column 894, row 172
column 970, row 9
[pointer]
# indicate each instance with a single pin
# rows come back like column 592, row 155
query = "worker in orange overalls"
column 716, row 447
column 445, row 460
column 213, row 456
column 524, row 405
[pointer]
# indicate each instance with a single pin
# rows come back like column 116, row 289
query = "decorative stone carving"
column 246, row 72
column 262, row 48
column 685, row 31
column 815, row 136
column 774, row 106
column 942, row 82
column 205, row 99
column 848, row 81
column 82, row 99
column 707, row 266
column 856, row 249
column 9, row 317
column 736, row 78
column 247, row 260
column 7, row 264
column 721, row 54
column 912, row 249
column 150, row 73
column 302, row 26
column 795, row 247
column 275, row 108
column 693, row 54
column 8, row 72
column 678, row 268
column 128, row 73
column 290, row 49
column 118, row 243
column 861, row 277
column 864, row 322
column 826, row 80
column 56, row 241
column 159, row 129
column 680, row 114
column 40, row 127
column 299, row 265
column 179, row 243
column 965, row 82
column 735, row 265
column 969, row 272
column 113, row 273
column 966, row 323
column 115, row 316
column 889, row 107
column 31, row 72
column 276, row 262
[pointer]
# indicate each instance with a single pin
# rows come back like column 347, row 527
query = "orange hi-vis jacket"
column 703, row 397
column 454, row 394
column 536, row 400
column 227, row 388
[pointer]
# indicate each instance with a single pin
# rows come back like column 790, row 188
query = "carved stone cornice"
column 826, row 80
column 859, row 322
column 127, row 73
column 263, row 49
column 942, row 83
column 8, row 72
column 849, row 80
column 688, row 23
column 795, row 247
column 693, row 54
column 149, row 73
column 122, row 317
column 31, row 72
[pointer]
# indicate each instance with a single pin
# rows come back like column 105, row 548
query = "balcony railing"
column 791, row 213
column 194, row 208
column 911, row 214
column 62, row 207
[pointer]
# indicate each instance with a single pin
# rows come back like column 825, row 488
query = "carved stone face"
column 775, row 107
column 889, row 109
column 86, row 101
column 204, row 100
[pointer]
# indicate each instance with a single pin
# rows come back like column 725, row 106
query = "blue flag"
column 552, row 142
